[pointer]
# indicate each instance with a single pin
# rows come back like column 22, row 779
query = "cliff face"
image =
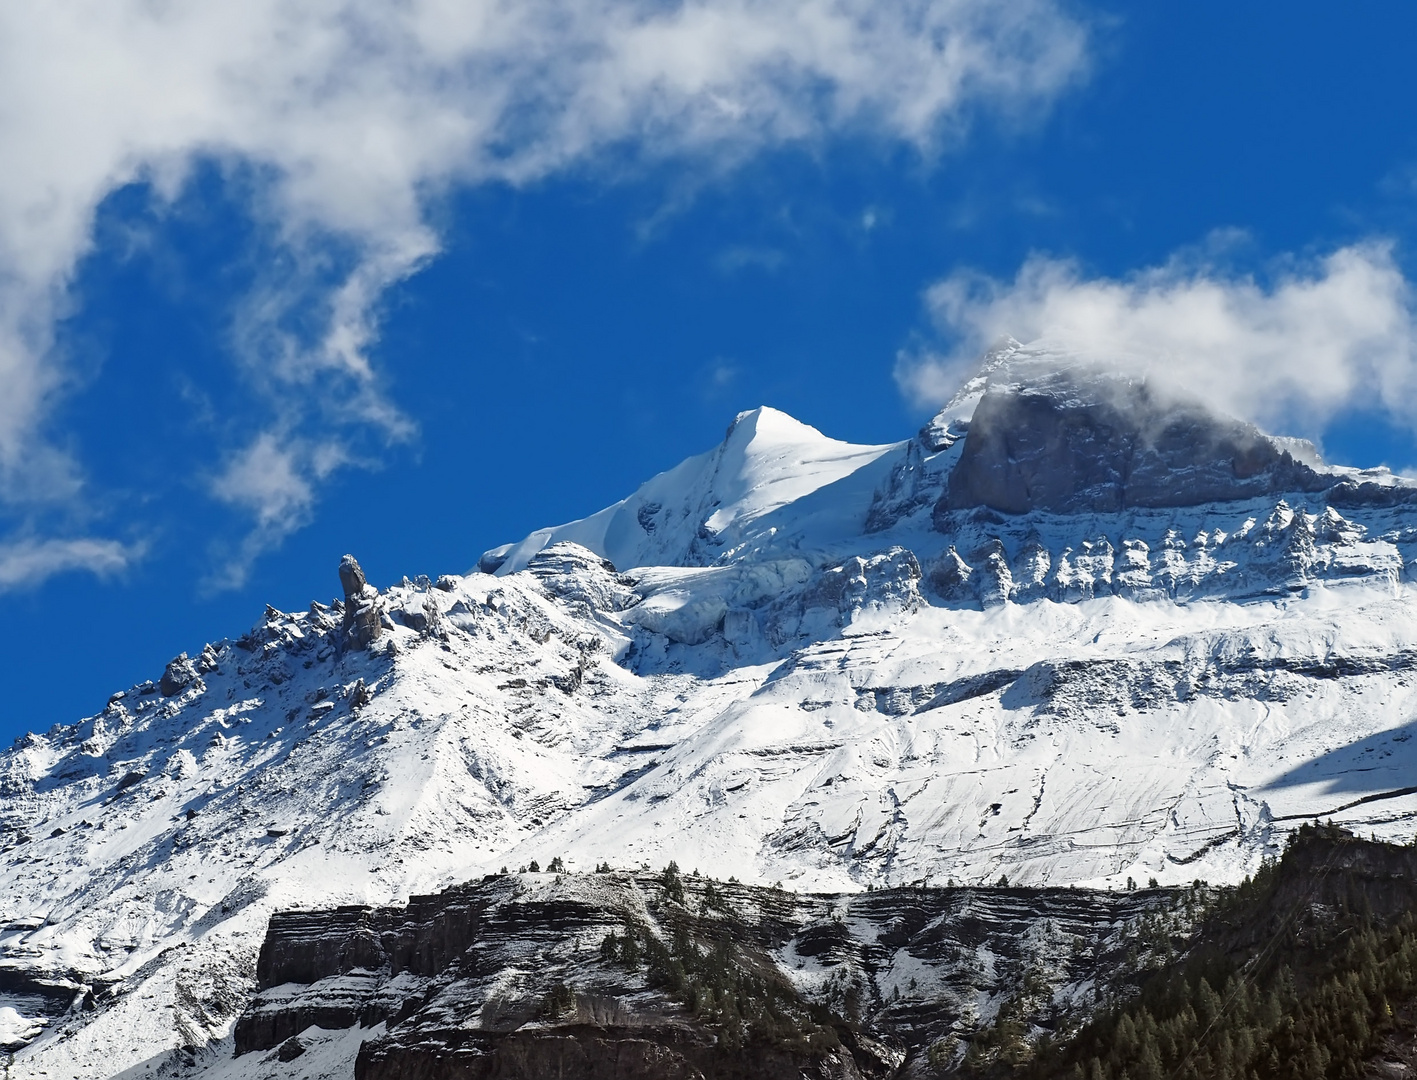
column 659, row 976
column 1070, row 443
column 631, row 975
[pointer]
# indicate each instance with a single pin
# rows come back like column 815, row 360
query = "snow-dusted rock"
column 1079, row 440
column 576, row 574
column 950, row 577
column 180, row 673
column 364, row 615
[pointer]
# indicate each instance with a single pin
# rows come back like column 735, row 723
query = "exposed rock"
column 513, row 977
column 575, row 573
column 180, row 674
column 359, row 695
column 1257, row 552
column 1077, row 440
column 887, row 581
column 1084, row 572
column 949, row 576
column 351, row 577
column 1030, row 570
column 910, row 487
column 421, row 616
column 993, row 580
column 129, row 779
column 942, row 432
column 363, row 612
column 1366, row 493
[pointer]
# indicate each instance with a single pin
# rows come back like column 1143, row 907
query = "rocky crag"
column 672, row 975
column 668, row 976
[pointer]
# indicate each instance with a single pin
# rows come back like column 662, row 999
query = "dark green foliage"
column 559, row 1001
column 533, row 867
column 1309, row 998
column 745, row 998
column 556, row 866
column 714, row 900
column 610, row 948
column 941, row 1053
column 1003, row 882
column 623, row 949
column 602, row 868
column 672, row 883
column 1006, row 1042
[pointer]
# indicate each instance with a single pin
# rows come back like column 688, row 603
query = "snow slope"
column 790, row 658
column 707, row 506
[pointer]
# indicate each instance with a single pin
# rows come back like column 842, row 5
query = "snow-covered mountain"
column 1077, row 629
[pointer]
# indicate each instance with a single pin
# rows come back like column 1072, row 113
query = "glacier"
column 1076, row 630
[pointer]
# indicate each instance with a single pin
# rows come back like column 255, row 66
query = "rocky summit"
column 1077, row 631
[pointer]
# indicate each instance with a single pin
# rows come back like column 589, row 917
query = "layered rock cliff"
column 671, row 975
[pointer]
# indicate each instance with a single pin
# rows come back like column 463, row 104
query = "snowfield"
column 789, row 659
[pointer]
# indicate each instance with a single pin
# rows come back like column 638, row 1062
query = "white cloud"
column 274, row 480
column 351, row 115
column 26, row 563
column 1289, row 352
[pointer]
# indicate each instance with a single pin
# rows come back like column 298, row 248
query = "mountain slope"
column 789, row 659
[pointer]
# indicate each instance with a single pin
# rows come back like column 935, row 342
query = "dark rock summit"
column 1078, row 440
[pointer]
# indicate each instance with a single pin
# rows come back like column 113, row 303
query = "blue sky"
column 254, row 330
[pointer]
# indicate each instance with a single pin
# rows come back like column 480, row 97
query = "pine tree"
column 671, row 883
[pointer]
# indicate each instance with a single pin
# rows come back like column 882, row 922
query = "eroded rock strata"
column 639, row 975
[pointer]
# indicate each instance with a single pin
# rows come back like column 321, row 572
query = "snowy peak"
column 768, row 460
column 1037, row 430
column 710, row 503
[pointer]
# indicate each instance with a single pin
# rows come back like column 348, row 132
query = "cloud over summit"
column 1289, row 352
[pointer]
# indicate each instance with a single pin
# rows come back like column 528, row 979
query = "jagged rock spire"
column 363, row 613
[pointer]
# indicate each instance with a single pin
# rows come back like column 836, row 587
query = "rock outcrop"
column 1082, row 441
column 363, row 613
column 180, row 673
column 577, row 575
column 654, row 976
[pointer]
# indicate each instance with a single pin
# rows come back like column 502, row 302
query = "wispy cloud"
column 733, row 259
column 274, row 480
column 1289, row 351
column 347, row 118
column 28, row 563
